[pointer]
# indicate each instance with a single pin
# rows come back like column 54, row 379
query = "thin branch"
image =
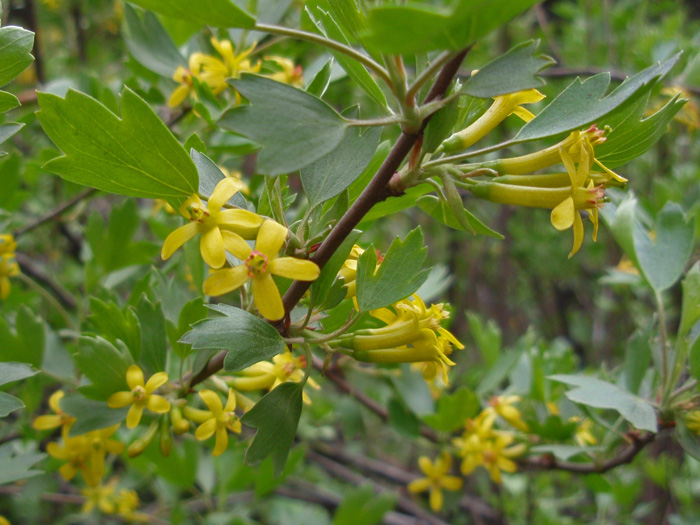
column 58, row 210
column 28, row 267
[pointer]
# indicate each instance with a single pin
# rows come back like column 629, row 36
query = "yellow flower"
column 348, row 272
column 497, row 455
column 85, row 453
column 100, row 496
column 211, row 221
column 8, row 268
column 259, row 265
column 60, row 418
column 692, row 421
column 566, row 214
column 140, row 396
column 583, row 435
column 437, row 478
column 502, row 405
column 4, row 521
column 237, row 178
column 289, row 72
column 266, row 375
column 8, row 246
column 183, row 77
column 214, row 71
column 220, row 420
column 127, row 502
column 502, row 107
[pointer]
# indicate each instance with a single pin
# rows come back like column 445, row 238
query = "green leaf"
column 294, row 127
column 442, row 212
column 396, row 204
column 363, row 505
column 276, row 417
column 632, row 134
column 583, row 103
column 690, row 309
column 150, row 44
column 413, row 391
column 136, row 155
column 8, row 130
column 400, row 274
column 247, row 338
column 513, row 71
column 335, row 171
column 686, row 438
column 10, row 372
column 453, row 410
column 26, row 343
column 595, row 393
column 14, row 467
column 417, row 27
column 210, row 175
column 217, row 13
column 553, row 428
column 112, row 323
column 7, row 101
column 563, row 452
column 15, row 52
column 318, row 85
column 637, row 359
column 9, row 404
column 328, row 25
column 90, row 415
column 154, row 346
column 348, row 16
column 191, row 312
column 694, row 357
column 104, row 365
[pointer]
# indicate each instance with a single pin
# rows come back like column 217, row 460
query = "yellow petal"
column 114, row 447
column 158, row 404
column 156, row 381
column 56, row 451
column 224, row 190
column 236, row 245
column 134, row 415
column 419, row 485
column 179, row 95
column 523, row 113
column 425, row 465
column 221, row 441
column 134, row 376
column 435, row 499
column 568, row 163
column 593, row 215
column 68, row 471
column 243, row 222
column 231, row 401
column 211, row 399
column 612, row 174
column 292, row 268
column 452, row 483
column 55, row 401
column 267, row 298
column 225, row 281
column 578, row 233
column 564, row 214
column 47, row 422
column 205, row 430
column 211, row 246
column 179, row 237
column 270, row 238
column 383, row 314
column 120, row 399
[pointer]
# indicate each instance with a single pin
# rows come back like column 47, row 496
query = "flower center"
column 256, row 263
column 139, row 393
column 197, row 213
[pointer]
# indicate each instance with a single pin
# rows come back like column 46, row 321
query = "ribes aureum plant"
column 285, row 296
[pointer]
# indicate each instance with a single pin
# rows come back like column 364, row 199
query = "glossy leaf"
column 9, row 404
column 10, row 372
column 276, row 417
column 15, row 52
column 294, row 127
column 453, row 410
column 153, row 337
column 400, row 274
column 247, row 338
column 596, row 393
column 90, row 415
column 513, row 71
column 104, row 364
column 24, row 344
column 136, row 155
column 217, row 13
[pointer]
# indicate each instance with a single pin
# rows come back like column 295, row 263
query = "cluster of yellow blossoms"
column 224, row 230
column 214, row 71
column 8, row 265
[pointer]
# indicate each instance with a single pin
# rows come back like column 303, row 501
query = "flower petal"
column 270, row 238
column 419, row 485
column 452, row 482
column 221, row 441
column 156, row 381
column 211, row 399
column 578, row 233
column 211, row 246
column 47, row 422
column 267, row 298
column 292, row 268
column 134, row 376
column 134, row 415
column 205, row 430
column 55, row 401
column 243, row 222
column 568, row 163
column 179, row 95
column 224, row 190
column 425, row 465
column 236, row 245
column 231, row 401
column 120, row 399
column 225, row 281
column 435, row 499
column 157, row 404
column 56, row 451
column 563, row 215
column 179, row 237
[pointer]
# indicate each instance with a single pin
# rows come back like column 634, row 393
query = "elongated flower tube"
column 259, row 265
column 210, row 221
column 502, row 107
column 436, row 479
column 140, row 396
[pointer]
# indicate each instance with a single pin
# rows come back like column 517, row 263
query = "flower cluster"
column 109, row 500
column 8, row 265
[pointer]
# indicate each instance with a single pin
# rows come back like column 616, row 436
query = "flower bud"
column 138, row 446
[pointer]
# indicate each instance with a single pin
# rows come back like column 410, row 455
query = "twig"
column 28, row 267
column 58, row 210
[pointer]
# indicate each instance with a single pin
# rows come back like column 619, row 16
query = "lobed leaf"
column 217, row 13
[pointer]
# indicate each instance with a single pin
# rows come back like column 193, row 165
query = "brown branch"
column 375, row 192
column 28, row 267
column 626, row 455
column 58, row 210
